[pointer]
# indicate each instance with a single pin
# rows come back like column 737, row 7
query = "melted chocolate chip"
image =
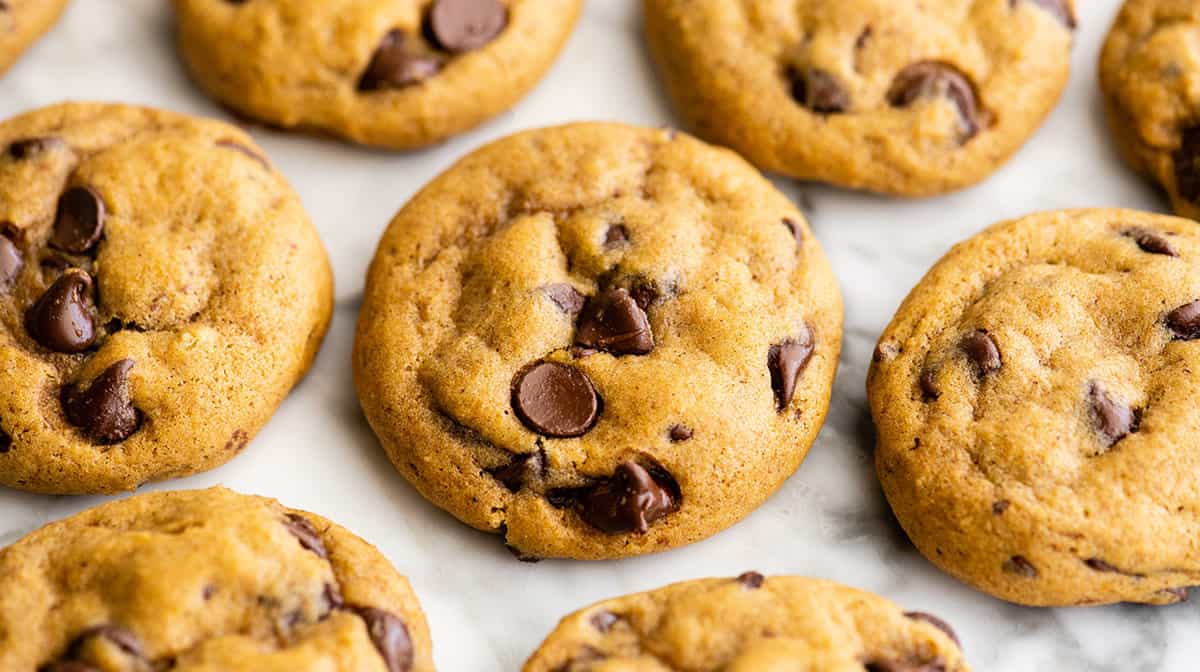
column 515, row 474
column 397, row 63
column 1152, row 242
column 11, row 261
column 628, row 501
column 1000, row 506
column 614, row 322
column 1058, row 8
column 751, row 580
column 786, row 362
column 390, row 636
column 819, row 91
column 123, row 639
column 5, row 442
column 680, row 433
column 79, row 223
column 1112, row 418
column 31, row 147
column 566, row 297
column 104, row 409
column 1187, row 164
column 1018, row 565
column 983, row 353
column 1100, row 566
column 464, row 25
column 935, row 665
column 1185, row 321
column 306, row 534
column 61, row 320
column 555, row 400
column 929, row 387
column 616, row 236
column 935, row 622
column 933, row 79
column 604, row 620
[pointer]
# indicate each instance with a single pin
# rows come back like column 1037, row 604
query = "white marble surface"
column 489, row 611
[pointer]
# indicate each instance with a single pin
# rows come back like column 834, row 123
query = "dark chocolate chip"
column 79, row 223
column 786, row 362
column 397, row 63
column 604, row 620
column 982, row 351
column 1113, row 418
column 31, row 147
column 929, row 387
column 61, row 319
column 935, row 665
column 464, row 25
column 796, row 230
column 819, row 91
column 555, row 400
column 1018, row 565
column 751, row 580
column 306, row 534
column 935, row 622
column 1000, row 506
column 5, row 442
column 390, row 636
column 1100, row 566
column 515, row 474
column 1152, row 242
column 1187, row 164
column 934, row 79
column 616, row 236
column 615, row 323
column 1185, row 321
column 1058, row 8
column 566, row 297
column 680, row 433
column 104, row 409
column 11, row 261
column 630, row 500
column 646, row 294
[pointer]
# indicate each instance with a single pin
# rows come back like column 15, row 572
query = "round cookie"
column 161, row 291
column 598, row 340
column 389, row 73
column 910, row 98
column 1034, row 399
column 201, row 581
column 1150, row 74
column 22, row 22
column 749, row 624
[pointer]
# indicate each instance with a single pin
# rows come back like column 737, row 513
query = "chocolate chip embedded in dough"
column 786, row 361
column 934, row 79
column 555, row 400
column 79, row 221
column 466, row 25
column 104, row 409
column 61, row 319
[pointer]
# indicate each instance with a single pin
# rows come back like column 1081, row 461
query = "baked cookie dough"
column 389, row 73
column 1035, row 404
column 22, row 22
column 750, row 624
column 911, row 98
column 1150, row 74
column 161, row 291
column 598, row 340
column 204, row 581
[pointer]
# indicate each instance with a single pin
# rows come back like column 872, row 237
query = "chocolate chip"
column 1000, row 506
column 616, row 236
column 555, row 400
column 390, row 636
column 306, row 533
column 929, row 387
column 751, row 580
column 819, row 91
column 680, row 433
column 615, row 323
column 796, row 229
column 10, row 261
column 1113, row 418
column 1059, row 8
column 566, row 297
column 1020, row 566
column 935, row 665
column 463, row 25
column 604, row 620
column 646, row 294
column 1151, row 242
column 935, row 622
column 397, row 63
column 104, row 409
column 1185, row 321
column 123, row 639
column 61, row 320
column 79, row 223
column 786, row 362
column 933, row 79
column 981, row 350
column 515, row 474
column 630, row 500
column 5, row 442
column 1187, row 164
column 1100, row 566
column 31, row 147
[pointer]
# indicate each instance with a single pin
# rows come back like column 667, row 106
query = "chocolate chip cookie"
column 22, row 22
column 1150, row 74
column 389, row 73
column 909, row 98
column 204, row 580
column 750, row 624
column 598, row 340
column 161, row 291
column 1035, row 402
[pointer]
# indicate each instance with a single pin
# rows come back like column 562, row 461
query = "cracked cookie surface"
column 1034, row 398
column 161, row 291
column 22, row 22
column 204, row 581
column 750, row 623
column 598, row 340
column 909, row 98
column 1150, row 74
column 389, row 73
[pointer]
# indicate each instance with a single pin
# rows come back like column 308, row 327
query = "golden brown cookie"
column 749, row 624
column 598, row 340
column 913, row 98
column 204, row 581
column 1150, row 73
column 22, row 22
column 1035, row 403
column 390, row 73
column 161, row 291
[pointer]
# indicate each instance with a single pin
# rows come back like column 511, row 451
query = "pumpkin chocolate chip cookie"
column 22, row 22
column 910, row 98
column 1035, row 403
column 161, row 291
column 750, row 624
column 598, row 340
column 390, row 73
column 201, row 581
